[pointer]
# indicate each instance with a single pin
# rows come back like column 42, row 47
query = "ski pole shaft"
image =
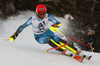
column 57, row 47
column 75, row 39
column 6, row 39
column 80, row 42
column 91, row 46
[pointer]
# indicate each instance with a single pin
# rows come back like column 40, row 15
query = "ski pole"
column 74, row 39
column 56, row 47
column 6, row 39
column 91, row 46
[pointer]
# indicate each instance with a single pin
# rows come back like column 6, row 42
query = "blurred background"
column 83, row 14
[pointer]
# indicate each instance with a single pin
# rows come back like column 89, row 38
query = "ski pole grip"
column 53, row 29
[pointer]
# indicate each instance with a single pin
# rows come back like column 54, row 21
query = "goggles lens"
column 41, row 13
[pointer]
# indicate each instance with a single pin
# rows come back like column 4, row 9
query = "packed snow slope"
column 25, row 51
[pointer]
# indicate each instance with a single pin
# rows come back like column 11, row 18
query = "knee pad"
column 52, row 43
column 56, row 38
column 43, row 40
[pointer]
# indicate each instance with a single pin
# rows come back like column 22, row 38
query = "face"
column 41, row 14
column 90, row 33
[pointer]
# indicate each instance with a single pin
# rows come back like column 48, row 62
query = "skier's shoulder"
column 47, row 15
column 28, row 22
column 50, row 16
column 33, row 17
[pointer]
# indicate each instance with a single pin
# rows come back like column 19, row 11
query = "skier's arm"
column 55, row 22
column 20, row 29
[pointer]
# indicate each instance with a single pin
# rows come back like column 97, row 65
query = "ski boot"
column 68, row 53
column 80, row 53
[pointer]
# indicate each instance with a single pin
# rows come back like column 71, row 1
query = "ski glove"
column 13, row 37
column 55, row 27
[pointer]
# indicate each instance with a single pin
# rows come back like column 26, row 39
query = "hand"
column 53, row 29
column 13, row 37
column 54, row 25
column 57, row 25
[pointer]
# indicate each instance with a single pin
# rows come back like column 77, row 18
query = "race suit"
column 43, row 34
column 40, row 28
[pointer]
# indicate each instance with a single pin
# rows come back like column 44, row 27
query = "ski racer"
column 44, row 35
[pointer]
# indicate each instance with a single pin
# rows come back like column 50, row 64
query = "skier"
column 44, row 35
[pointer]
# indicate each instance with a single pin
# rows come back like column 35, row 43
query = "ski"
column 84, row 56
column 78, row 58
column 88, row 57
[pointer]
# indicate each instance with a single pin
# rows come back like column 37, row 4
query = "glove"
column 13, row 37
column 55, row 27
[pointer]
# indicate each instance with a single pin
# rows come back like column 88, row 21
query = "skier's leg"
column 57, row 42
column 74, row 49
column 68, row 53
column 69, row 46
column 42, row 39
column 62, row 49
column 52, row 43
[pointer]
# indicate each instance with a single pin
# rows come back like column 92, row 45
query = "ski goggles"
column 41, row 13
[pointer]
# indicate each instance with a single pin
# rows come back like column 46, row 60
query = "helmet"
column 41, row 7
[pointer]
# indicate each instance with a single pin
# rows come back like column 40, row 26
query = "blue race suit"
column 40, row 28
column 43, row 34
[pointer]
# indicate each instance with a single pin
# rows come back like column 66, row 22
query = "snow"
column 68, row 16
column 25, row 51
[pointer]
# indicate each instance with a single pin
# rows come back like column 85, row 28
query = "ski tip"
column 6, row 39
column 89, row 57
column 46, row 50
column 82, row 60
column 78, row 58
